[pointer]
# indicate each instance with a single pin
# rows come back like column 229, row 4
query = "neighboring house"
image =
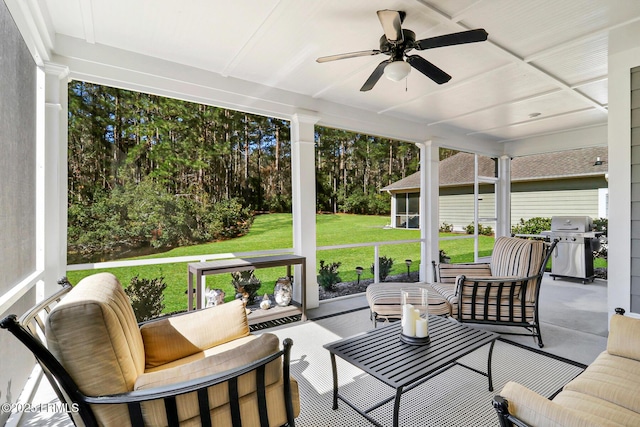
column 561, row 183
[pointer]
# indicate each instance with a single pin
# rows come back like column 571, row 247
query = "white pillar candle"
column 422, row 328
column 408, row 320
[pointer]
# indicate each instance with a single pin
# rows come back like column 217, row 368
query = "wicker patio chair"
column 199, row 368
column 504, row 291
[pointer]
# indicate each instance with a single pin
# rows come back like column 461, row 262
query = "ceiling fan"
column 396, row 42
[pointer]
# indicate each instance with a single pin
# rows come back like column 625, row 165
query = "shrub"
column 384, row 267
column 229, row 219
column 328, row 275
column 601, row 225
column 446, row 228
column 532, row 226
column 484, row 230
column 147, row 298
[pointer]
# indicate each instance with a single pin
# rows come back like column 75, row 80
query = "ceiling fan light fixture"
column 397, row 70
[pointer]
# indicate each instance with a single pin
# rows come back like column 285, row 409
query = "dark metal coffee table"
column 381, row 354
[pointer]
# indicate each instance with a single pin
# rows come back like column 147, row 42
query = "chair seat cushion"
column 384, row 299
column 611, row 378
column 214, row 363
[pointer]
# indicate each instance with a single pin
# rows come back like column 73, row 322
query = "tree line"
column 148, row 170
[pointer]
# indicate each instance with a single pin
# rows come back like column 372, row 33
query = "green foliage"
column 446, row 228
column 384, row 267
column 147, row 298
column 482, row 229
column 601, row 225
column 366, row 204
column 532, row 226
column 229, row 219
column 147, row 215
column 328, row 274
column 246, row 285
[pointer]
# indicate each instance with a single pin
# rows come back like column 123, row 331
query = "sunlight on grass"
column 274, row 231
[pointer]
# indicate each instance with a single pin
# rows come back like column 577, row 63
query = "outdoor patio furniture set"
column 502, row 292
column 204, row 367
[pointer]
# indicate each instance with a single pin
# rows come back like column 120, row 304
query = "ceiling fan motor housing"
column 397, row 50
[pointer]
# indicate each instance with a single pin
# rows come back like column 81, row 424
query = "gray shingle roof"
column 459, row 169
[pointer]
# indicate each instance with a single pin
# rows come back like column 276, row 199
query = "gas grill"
column 573, row 255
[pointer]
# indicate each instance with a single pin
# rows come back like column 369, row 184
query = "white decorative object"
column 214, row 297
column 414, row 320
column 265, row 304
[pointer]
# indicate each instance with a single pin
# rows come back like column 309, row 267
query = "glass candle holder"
column 283, row 291
column 415, row 315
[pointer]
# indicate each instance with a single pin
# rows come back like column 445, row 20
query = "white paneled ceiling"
column 543, row 69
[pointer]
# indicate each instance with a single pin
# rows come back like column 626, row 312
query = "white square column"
column 303, row 186
column 503, row 197
column 429, row 208
column 52, row 174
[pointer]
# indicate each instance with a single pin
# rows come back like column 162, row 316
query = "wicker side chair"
column 199, row 368
column 502, row 292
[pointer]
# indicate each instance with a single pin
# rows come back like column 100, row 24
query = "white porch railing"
column 228, row 255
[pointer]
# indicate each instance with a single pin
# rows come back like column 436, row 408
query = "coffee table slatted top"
column 380, row 352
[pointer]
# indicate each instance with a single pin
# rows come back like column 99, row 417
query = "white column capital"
column 54, row 69
column 305, row 116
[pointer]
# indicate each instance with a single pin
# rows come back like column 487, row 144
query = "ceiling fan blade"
column 348, row 55
column 471, row 36
column 375, row 76
column 428, row 69
column 391, row 21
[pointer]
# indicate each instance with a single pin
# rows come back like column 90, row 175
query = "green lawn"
column 274, row 231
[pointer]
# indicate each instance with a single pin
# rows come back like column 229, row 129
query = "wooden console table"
column 200, row 269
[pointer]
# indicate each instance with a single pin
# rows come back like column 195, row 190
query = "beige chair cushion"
column 252, row 348
column 539, row 411
column 449, row 272
column 516, row 257
column 214, row 363
column 596, row 407
column 175, row 337
column 611, row 378
column 94, row 334
column 384, row 299
column 624, row 336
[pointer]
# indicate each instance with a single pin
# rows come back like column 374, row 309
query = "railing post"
column 376, row 264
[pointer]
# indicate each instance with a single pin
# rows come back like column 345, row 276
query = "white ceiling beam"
column 590, row 81
column 578, row 41
column 460, row 15
column 278, row 10
column 491, row 107
column 513, row 57
column 527, row 122
column 128, row 70
column 550, row 142
column 86, row 9
column 447, row 87
column 34, row 27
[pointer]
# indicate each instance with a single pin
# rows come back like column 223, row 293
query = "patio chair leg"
column 538, row 335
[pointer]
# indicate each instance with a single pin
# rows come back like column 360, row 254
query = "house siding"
column 457, row 209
